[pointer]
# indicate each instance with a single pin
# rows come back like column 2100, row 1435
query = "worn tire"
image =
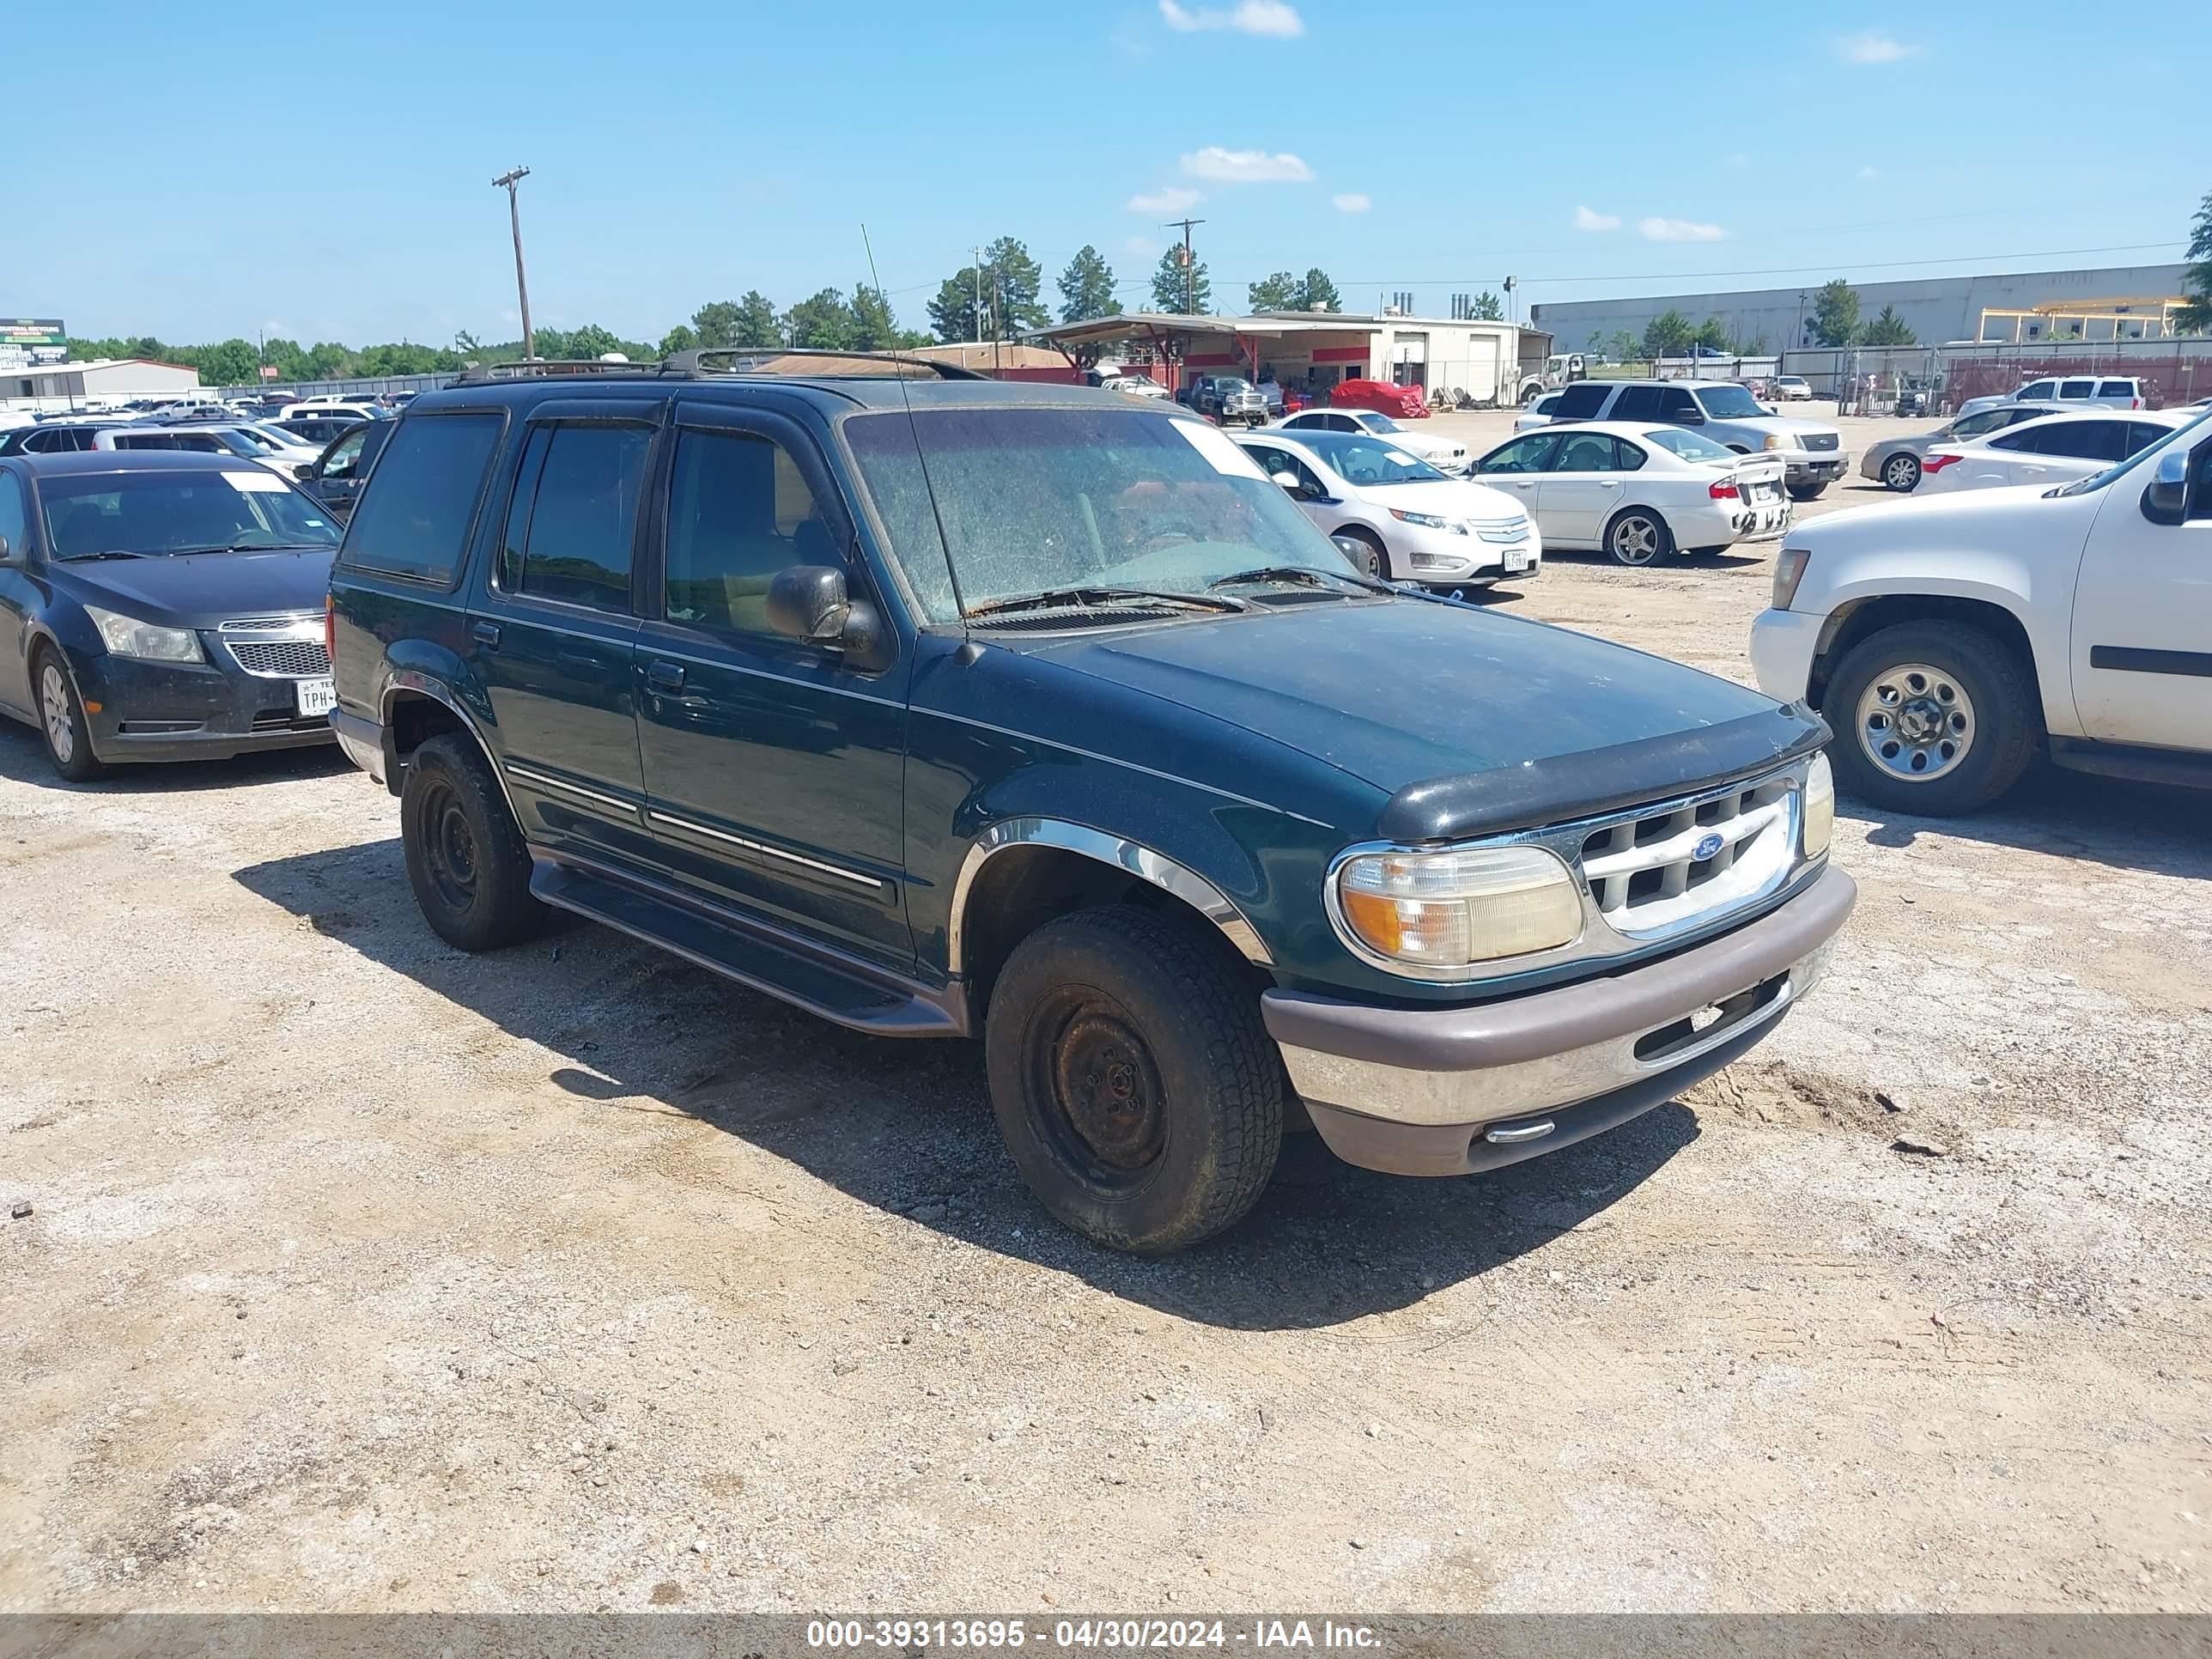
column 80, row 764
column 1122, row 989
column 1378, row 562
column 2008, row 719
column 451, row 801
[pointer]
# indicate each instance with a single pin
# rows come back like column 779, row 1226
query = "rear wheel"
column 467, row 859
column 1637, row 536
column 1901, row 472
column 62, row 722
column 1132, row 1079
column 1933, row 718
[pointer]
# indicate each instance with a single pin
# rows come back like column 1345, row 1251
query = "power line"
column 1786, row 271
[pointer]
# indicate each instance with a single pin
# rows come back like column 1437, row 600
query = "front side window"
column 739, row 511
column 1033, row 500
column 146, row 513
column 575, row 546
column 1527, row 454
column 1273, row 461
column 15, row 524
column 416, row 523
column 2036, row 391
column 344, row 455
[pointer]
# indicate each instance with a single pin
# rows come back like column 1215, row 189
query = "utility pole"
column 978, row 268
column 1189, row 267
column 507, row 181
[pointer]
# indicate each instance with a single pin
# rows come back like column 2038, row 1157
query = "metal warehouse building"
column 1937, row 309
column 106, row 378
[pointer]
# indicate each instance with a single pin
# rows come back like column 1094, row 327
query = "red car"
column 1408, row 402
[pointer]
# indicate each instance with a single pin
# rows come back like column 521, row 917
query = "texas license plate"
column 315, row 696
column 1517, row 561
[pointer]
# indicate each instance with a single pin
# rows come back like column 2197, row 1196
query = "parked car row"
column 1811, row 452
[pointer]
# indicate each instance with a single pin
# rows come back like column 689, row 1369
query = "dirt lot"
column 363, row 1274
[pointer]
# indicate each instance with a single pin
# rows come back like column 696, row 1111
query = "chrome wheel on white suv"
column 1937, row 716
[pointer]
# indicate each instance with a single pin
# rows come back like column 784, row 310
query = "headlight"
column 126, row 636
column 1819, row 808
column 1788, row 571
column 1429, row 520
column 1451, row 910
column 1775, row 442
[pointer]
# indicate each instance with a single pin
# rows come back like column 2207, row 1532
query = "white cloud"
column 1586, row 219
column 1246, row 166
column 1873, row 47
column 1352, row 201
column 1168, row 198
column 1269, row 17
column 1143, row 247
column 1657, row 229
column 1869, row 172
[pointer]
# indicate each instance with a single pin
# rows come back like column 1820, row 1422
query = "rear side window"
column 1638, row 402
column 2077, row 388
column 582, row 518
column 1581, row 402
column 416, row 523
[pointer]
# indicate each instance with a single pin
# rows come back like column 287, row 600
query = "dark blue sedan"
column 162, row 606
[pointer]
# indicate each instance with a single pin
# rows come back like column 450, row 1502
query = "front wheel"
column 467, row 859
column 1932, row 718
column 1901, row 473
column 1638, row 537
column 1377, row 563
column 1133, row 1079
column 62, row 722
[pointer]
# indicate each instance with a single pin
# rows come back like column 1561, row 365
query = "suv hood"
column 1788, row 425
column 202, row 590
column 1470, row 720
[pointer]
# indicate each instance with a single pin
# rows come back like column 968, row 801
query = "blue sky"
column 684, row 152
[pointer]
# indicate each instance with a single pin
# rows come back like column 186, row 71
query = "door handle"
column 665, row 677
column 485, row 634
column 1609, row 484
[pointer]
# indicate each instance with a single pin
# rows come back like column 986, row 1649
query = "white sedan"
column 1445, row 455
column 1540, row 413
column 2055, row 450
column 1417, row 524
column 1639, row 492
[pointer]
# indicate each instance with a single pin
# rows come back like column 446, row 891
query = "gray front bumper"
column 1442, row 1091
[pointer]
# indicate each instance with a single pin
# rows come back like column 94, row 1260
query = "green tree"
column 591, row 341
column 1712, row 334
column 234, row 362
column 1485, row 307
column 1668, row 335
column 1317, row 292
column 2195, row 317
column 1888, row 330
column 1015, row 280
column 750, row 321
column 1169, row 288
column 1280, row 292
column 822, row 319
column 874, row 327
column 1835, row 313
column 954, row 308
column 1087, row 287
column 1622, row 347
column 681, row 337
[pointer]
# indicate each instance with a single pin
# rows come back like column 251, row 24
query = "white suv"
column 2086, row 391
column 1945, row 640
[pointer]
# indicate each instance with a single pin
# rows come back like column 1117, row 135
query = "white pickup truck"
column 1946, row 641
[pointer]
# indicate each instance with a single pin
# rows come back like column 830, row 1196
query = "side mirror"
column 7, row 553
column 808, row 602
column 1289, row 480
column 2166, row 498
column 304, row 471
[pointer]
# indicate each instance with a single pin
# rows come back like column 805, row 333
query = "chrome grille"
column 1822, row 440
column 283, row 624
column 1671, row 869
column 287, row 659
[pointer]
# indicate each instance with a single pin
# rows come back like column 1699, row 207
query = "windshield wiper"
column 249, row 547
column 1099, row 598
column 105, row 553
column 1300, row 575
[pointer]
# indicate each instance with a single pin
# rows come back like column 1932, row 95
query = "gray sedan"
column 1896, row 461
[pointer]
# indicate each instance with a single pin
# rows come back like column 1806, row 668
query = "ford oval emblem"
column 1707, row 848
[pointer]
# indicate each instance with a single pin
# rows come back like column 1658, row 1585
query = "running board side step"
column 755, row 954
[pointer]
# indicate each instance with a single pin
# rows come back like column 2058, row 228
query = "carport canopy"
column 1168, row 335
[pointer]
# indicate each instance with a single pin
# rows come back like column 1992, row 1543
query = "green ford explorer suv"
column 947, row 707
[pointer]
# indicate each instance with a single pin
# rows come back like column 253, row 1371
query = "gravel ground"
column 362, row 1274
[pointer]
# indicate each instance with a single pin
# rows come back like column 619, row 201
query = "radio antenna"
column 913, row 429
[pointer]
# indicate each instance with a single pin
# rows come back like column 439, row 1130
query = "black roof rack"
column 710, row 361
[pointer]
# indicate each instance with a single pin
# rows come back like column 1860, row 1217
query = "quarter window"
column 14, row 520
column 2117, row 389
column 416, row 523
column 739, row 511
column 582, row 515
